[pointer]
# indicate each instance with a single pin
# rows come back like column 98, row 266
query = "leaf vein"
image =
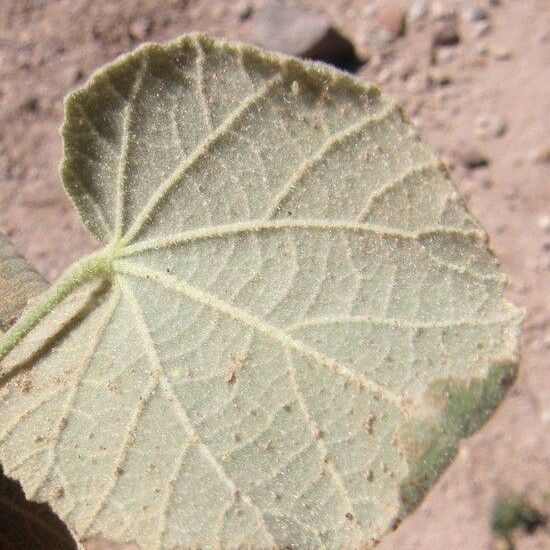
column 258, row 226
column 85, row 363
column 202, row 149
column 272, row 331
column 333, row 141
column 124, row 150
column 179, row 410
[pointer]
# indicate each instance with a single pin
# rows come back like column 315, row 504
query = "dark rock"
column 446, row 34
column 244, row 10
column 472, row 157
column 439, row 78
column 303, row 33
column 475, row 14
column 29, row 104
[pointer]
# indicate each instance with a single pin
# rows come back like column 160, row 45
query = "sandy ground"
column 484, row 100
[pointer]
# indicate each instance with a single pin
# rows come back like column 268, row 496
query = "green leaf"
column 291, row 287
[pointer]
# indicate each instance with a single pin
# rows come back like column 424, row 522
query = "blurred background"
column 474, row 76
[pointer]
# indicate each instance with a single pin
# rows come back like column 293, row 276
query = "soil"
column 473, row 75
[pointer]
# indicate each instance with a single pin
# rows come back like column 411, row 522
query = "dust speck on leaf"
column 24, row 384
column 368, row 422
column 235, row 364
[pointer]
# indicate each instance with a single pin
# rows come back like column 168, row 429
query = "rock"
column 244, row 10
column 418, row 11
column 393, row 20
column 379, row 37
column 439, row 78
column 472, row 158
column 481, row 28
column 481, row 49
column 541, row 154
column 475, row 14
column 501, row 53
column 444, row 55
column 370, row 10
column 296, row 31
column 544, row 223
column 486, row 183
column 446, row 34
column 30, row 104
column 490, row 126
column 442, row 11
column 140, row 29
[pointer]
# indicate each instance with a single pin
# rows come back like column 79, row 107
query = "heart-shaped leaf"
column 300, row 317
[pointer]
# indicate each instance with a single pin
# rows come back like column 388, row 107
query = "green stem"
column 97, row 264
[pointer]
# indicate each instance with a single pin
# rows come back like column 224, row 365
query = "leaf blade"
column 293, row 273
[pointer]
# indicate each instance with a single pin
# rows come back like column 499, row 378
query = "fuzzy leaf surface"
column 296, row 289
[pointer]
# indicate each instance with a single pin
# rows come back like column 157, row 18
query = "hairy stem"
column 96, row 265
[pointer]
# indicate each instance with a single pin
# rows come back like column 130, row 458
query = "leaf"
column 19, row 284
column 23, row 524
column 293, row 288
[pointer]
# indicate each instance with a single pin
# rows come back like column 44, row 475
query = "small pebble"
column 540, row 155
column 418, row 11
column 244, row 10
column 380, row 37
column 442, row 11
column 500, row 53
column 486, row 183
column 475, row 14
column 140, row 28
column 473, row 158
column 445, row 54
column 439, row 78
column 481, row 28
column 544, row 223
column 370, row 10
column 446, row 34
column 303, row 33
column 29, row 104
column 481, row 49
column 490, row 126
column 393, row 20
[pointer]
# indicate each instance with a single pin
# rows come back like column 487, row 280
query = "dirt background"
column 475, row 78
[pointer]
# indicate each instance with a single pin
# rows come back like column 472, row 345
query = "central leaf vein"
column 272, row 331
